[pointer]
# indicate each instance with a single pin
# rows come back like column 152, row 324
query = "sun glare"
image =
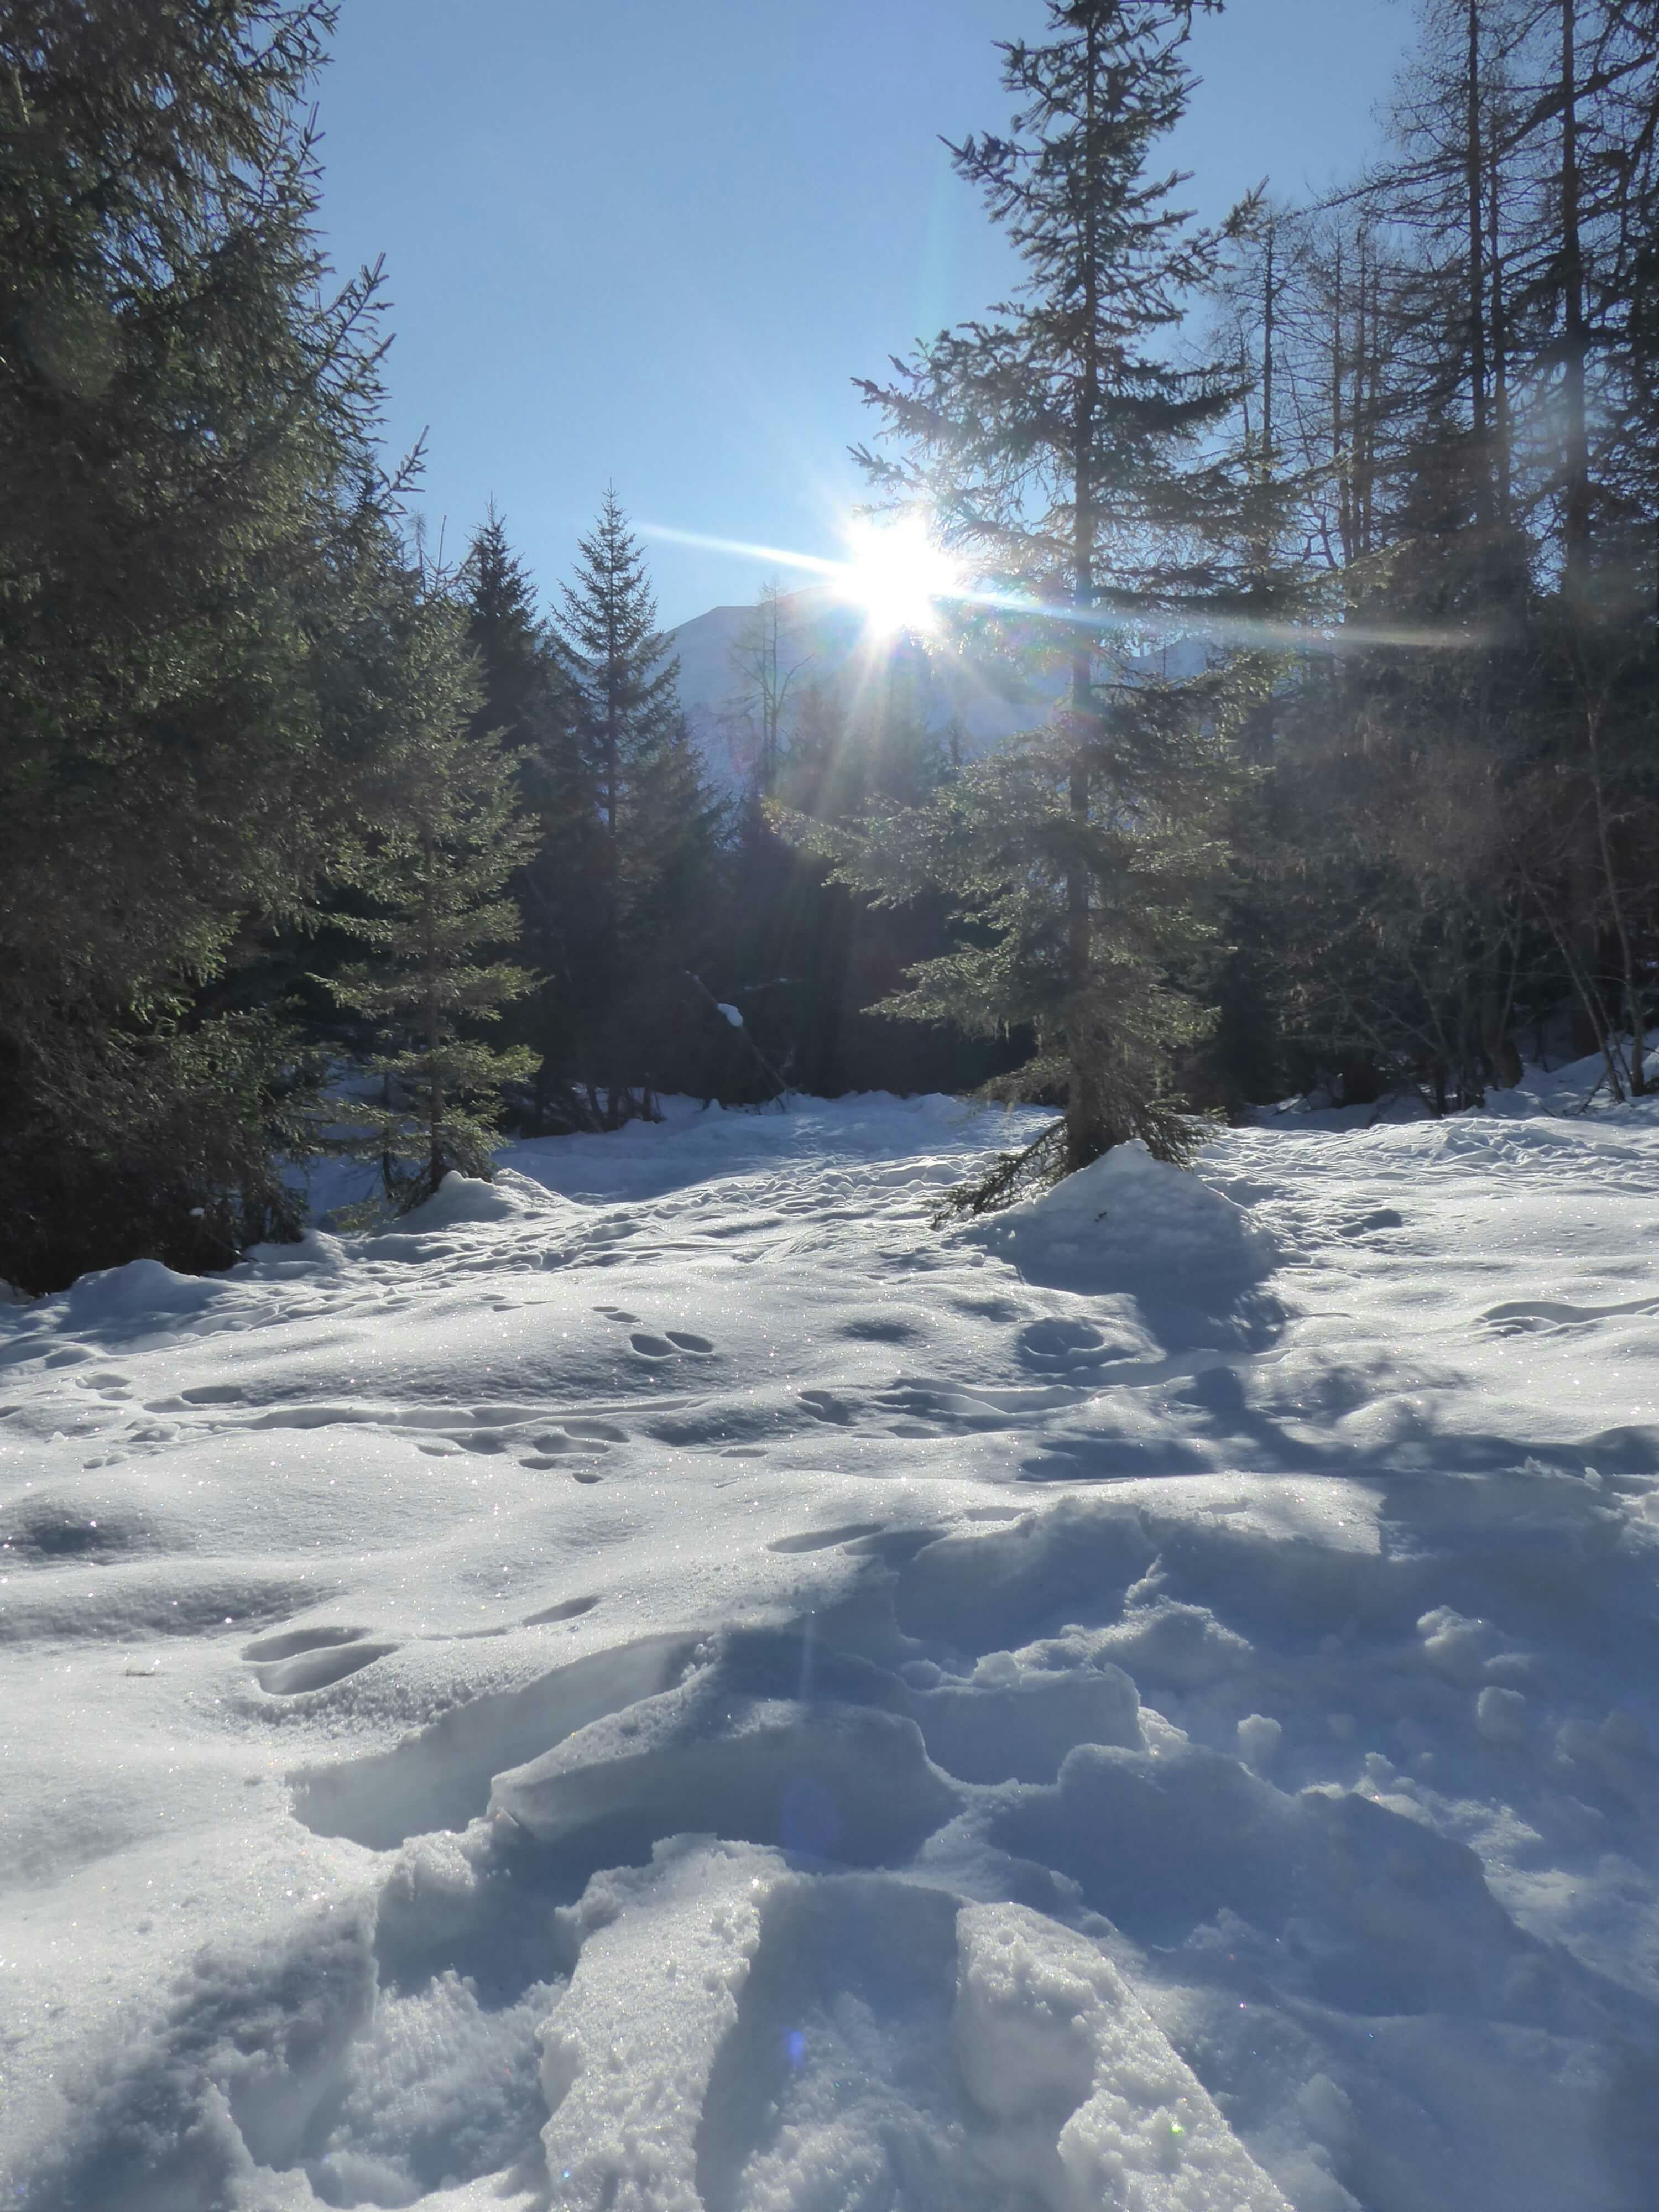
column 898, row 575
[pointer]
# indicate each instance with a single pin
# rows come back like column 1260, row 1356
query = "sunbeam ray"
column 1243, row 632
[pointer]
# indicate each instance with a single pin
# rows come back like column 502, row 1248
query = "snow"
column 663, row 1682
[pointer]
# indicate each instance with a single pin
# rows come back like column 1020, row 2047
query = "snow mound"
column 1128, row 1222
column 131, row 1295
column 315, row 1252
column 460, row 1200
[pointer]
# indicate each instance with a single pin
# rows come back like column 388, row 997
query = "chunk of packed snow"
column 1047, row 2027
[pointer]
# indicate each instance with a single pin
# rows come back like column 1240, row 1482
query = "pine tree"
column 437, row 883
column 1058, row 444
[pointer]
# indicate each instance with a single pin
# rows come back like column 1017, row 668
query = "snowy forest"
column 850, row 1406
column 286, row 791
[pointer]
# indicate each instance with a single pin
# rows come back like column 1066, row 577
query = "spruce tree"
column 517, row 669
column 527, row 701
column 1056, row 443
column 626, row 684
column 655, row 824
column 192, row 536
column 437, row 883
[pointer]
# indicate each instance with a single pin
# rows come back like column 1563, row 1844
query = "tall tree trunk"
column 1503, row 463
column 436, row 1161
column 1269, row 302
column 1085, row 1137
column 1477, row 287
column 1575, row 335
column 1342, row 454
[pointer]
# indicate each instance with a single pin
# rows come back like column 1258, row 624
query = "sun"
column 898, row 575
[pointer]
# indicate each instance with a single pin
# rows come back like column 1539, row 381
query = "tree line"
column 1332, row 530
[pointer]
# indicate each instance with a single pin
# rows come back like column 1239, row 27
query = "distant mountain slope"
column 829, row 642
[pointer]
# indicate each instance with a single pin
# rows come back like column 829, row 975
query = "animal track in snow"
column 673, row 1344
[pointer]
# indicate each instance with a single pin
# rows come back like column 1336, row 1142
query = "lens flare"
column 901, row 577
column 898, row 575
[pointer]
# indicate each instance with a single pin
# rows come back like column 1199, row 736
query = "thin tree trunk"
column 1268, row 304
column 434, row 1030
column 1576, row 529
column 1502, row 464
column 1477, row 287
column 1629, row 971
column 1341, row 457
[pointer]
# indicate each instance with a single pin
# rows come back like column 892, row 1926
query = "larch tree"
column 1058, row 444
column 767, row 662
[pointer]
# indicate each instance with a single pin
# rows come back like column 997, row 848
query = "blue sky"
column 654, row 242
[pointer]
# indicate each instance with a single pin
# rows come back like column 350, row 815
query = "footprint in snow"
column 292, row 1641
column 1555, row 1316
column 320, row 1669
column 301, row 1659
column 1060, row 1344
column 109, row 1384
column 572, row 1609
column 824, row 1406
column 820, row 1540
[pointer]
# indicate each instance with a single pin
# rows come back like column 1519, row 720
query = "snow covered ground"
column 664, row 1682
